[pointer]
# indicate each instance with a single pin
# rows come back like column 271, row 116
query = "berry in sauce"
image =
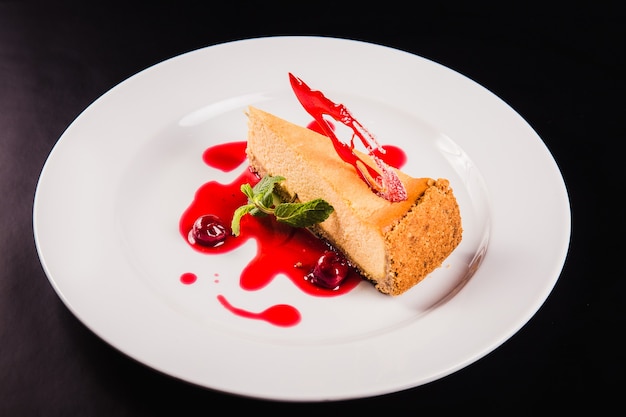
column 208, row 230
column 329, row 271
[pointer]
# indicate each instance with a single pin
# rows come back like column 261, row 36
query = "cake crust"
column 422, row 239
column 394, row 245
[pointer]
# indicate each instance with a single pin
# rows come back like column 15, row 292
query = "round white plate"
column 113, row 189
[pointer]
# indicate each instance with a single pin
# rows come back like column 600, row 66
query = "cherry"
column 329, row 271
column 208, row 230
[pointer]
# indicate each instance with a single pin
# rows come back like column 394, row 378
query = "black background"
column 563, row 68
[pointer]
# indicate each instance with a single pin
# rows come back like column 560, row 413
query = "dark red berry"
column 208, row 230
column 329, row 271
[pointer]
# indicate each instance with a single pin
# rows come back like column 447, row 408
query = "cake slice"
column 393, row 244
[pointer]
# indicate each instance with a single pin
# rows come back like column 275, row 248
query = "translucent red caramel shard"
column 383, row 181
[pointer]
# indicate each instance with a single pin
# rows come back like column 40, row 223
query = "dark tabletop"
column 562, row 68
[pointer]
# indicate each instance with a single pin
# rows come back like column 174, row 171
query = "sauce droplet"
column 226, row 156
column 188, row 278
column 282, row 315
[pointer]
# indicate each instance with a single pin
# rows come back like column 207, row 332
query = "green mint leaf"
column 248, row 191
column 303, row 214
column 263, row 201
column 239, row 213
column 266, row 185
column 263, row 196
column 255, row 211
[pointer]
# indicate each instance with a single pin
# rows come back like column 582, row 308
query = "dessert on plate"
column 393, row 228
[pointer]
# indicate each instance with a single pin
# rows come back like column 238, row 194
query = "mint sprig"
column 263, row 201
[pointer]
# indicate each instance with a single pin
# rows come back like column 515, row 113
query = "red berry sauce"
column 282, row 249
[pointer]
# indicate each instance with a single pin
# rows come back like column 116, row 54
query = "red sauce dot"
column 226, row 156
column 393, row 156
column 188, row 278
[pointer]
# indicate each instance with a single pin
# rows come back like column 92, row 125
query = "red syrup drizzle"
column 280, row 314
column 281, row 248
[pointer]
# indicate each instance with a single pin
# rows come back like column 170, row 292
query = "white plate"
column 115, row 185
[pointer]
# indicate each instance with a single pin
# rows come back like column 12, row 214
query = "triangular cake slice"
column 394, row 245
